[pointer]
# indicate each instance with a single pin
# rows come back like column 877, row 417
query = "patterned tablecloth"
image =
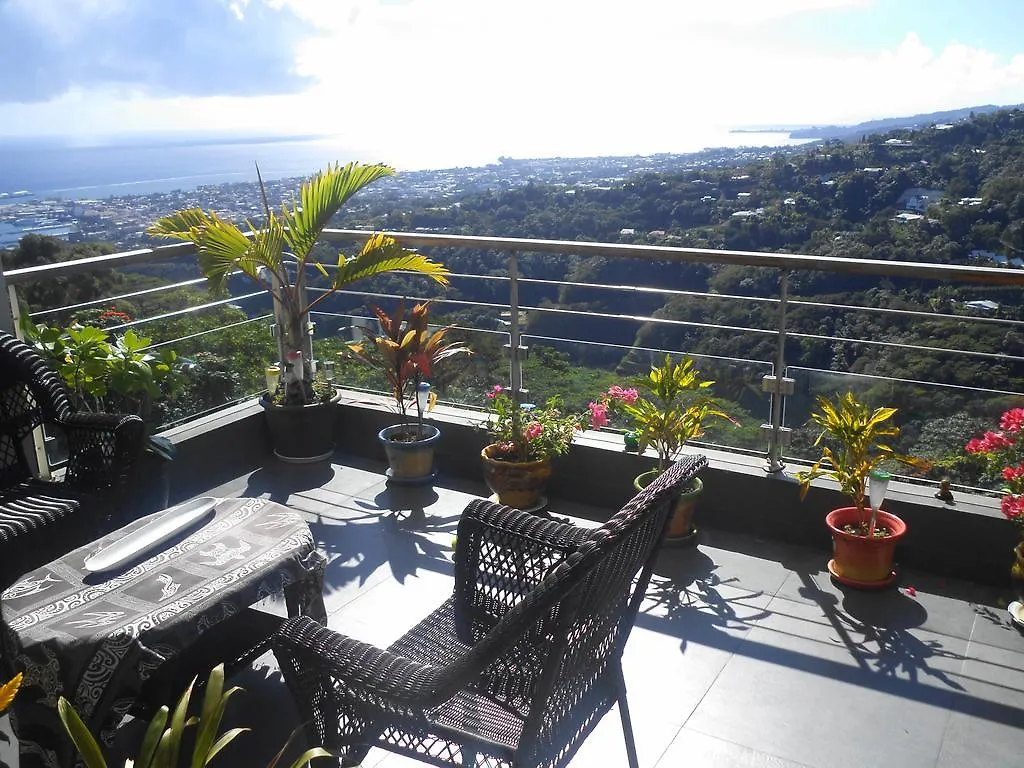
column 96, row 638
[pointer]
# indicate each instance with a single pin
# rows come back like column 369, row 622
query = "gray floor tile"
column 787, row 693
column 698, row 750
column 986, row 727
column 937, row 611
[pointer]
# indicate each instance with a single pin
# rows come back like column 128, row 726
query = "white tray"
column 151, row 535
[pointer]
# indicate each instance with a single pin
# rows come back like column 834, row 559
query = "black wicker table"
column 106, row 641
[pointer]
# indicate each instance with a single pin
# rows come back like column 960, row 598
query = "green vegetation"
column 827, row 199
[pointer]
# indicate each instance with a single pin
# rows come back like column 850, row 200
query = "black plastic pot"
column 301, row 434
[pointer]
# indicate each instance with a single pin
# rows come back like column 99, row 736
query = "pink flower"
column 497, row 390
column 616, row 392
column 598, row 415
column 533, row 430
column 1012, row 420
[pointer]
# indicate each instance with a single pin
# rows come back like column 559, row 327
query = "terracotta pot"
column 860, row 561
column 518, row 484
column 301, row 434
column 411, row 461
column 680, row 526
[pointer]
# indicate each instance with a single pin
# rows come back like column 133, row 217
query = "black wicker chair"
column 517, row 667
column 40, row 520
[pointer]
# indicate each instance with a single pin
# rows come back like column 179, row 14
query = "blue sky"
column 517, row 77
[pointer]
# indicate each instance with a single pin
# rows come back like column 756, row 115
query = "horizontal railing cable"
column 208, row 331
column 118, row 297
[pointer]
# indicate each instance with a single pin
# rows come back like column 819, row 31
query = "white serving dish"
column 1016, row 611
column 172, row 522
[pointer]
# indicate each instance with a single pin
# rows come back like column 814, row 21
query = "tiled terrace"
column 745, row 653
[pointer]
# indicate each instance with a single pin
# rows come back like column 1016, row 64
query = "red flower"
column 1012, row 420
column 498, row 389
column 533, row 431
column 1012, row 473
column 1013, row 507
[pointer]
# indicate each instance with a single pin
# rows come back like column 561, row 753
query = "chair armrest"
column 307, row 650
column 102, row 447
column 504, row 553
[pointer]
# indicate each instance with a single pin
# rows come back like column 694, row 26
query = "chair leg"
column 627, row 725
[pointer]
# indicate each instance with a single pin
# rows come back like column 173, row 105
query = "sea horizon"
column 50, row 168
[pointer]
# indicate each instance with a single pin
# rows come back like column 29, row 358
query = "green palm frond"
column 383, row 254
column 321, row 197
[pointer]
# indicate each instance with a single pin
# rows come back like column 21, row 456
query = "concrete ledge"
column 970, row 540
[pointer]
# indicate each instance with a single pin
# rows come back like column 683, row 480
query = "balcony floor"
column 744, row 653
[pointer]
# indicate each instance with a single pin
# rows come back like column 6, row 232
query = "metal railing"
column 776, row 381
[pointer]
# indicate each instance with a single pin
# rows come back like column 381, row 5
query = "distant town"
column 122, row 220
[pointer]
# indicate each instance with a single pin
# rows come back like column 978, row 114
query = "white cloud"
column 419, row 82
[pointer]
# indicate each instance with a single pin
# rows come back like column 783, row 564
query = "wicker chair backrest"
column 31, row 392
column 571, row 624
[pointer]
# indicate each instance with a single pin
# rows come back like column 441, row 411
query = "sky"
column 525, row 78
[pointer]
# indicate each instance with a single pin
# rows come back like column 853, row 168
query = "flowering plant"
column 663, row 408
column 1003, row 452
column 533, row 433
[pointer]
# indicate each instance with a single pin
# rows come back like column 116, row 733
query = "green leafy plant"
column 407, row 353
column 161, row 744
column 666, row 408
column 261, row 253
column 854, row 441
column 111, row 372
column 529, row 433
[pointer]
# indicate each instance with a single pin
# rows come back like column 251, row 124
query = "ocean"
column 50, row 169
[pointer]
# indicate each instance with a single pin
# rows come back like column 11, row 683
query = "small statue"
column 944, row 494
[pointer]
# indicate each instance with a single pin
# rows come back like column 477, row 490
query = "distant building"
column 873, row 170
column 627, row 232
column 971, row 201
column 789, row 201
column 742, row 195
column 899, row 143
column 982, row 306
column 708, row 199
column 919, row 198
column 904, row 217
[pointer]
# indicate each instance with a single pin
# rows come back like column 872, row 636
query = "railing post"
column 517, row 352
column 779, row 386
column 8, row 303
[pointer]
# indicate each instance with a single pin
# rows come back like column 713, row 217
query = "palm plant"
column 260, row 253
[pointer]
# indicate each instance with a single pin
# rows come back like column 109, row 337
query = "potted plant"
column 667, row 410
column 854, row 442
column 408, row 353
column 108, row 372
column 517, row 462
column 262, row 254
column 1003, row 455
column 165, row 743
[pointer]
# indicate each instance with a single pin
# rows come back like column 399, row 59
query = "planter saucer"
column 686, row 540
column 422, row 480
column 857, row 582
column 1016, row 611
column 542, row 503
